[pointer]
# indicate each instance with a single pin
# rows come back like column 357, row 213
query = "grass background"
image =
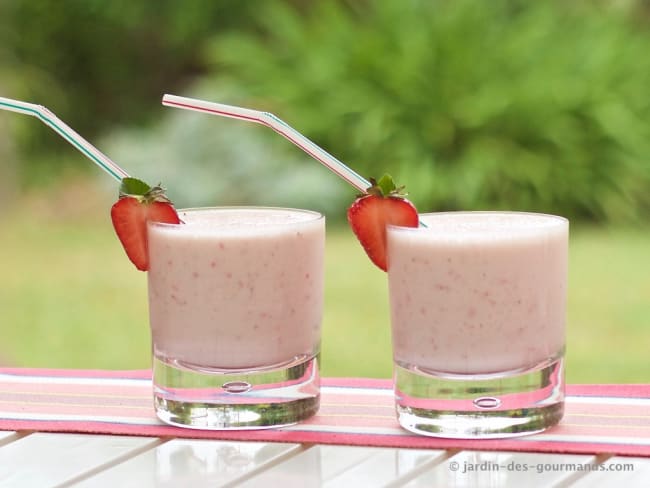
column 69, row 298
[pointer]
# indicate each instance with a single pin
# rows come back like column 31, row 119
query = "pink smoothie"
column 478, row 292
column 237, row 287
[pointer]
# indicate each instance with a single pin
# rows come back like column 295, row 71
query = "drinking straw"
column 278, row 126
column 90, row 151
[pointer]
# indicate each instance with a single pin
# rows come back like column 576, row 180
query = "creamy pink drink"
column 235, row 305
column 236, row 288
column 478, row 303
column 478, row 292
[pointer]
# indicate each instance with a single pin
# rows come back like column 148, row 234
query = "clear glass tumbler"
column 235, row 306
column 478, row 306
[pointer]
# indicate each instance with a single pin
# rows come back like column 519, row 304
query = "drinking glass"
column 235, row 306
column 478, row 305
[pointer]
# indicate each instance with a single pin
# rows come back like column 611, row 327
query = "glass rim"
column 546, row 216
column 315, row 215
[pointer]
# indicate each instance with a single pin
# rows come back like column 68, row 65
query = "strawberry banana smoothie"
column 478, row 292
column 236, row 288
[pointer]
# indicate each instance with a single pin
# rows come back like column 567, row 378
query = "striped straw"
column 87, row 149
column 278, row 126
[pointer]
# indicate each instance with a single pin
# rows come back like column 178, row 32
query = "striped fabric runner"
column 612, row 419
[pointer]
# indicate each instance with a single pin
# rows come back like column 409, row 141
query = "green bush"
column 98, row 64
column 472, row 104
column 537, row 106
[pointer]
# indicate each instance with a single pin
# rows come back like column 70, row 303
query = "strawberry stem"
column 385, row 187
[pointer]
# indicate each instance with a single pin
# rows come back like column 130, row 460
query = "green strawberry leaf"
column 133, row 186
column 386, row 184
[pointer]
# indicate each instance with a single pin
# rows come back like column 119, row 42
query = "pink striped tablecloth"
column 611, row 419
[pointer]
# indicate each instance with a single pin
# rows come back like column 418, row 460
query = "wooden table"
column 39, row 459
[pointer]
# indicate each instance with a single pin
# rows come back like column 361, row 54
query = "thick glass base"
column 467, row 406
column 216, row 399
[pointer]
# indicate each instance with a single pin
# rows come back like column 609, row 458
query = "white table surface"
column 37, row 459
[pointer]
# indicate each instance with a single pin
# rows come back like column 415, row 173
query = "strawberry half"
column 381, row 205
column 138, row 204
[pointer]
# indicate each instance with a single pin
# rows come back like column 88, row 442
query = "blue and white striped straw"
column 47, row 117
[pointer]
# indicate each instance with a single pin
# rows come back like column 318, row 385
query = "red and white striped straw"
column 278, row 126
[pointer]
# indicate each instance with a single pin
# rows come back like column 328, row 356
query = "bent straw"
column 278, row 126
column 87, row 149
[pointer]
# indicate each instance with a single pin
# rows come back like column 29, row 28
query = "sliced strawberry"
column 137, row 205
column 383, row 204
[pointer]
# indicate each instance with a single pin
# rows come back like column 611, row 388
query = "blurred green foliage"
column 538, row 106
column 99, row 64
column 503, row 104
